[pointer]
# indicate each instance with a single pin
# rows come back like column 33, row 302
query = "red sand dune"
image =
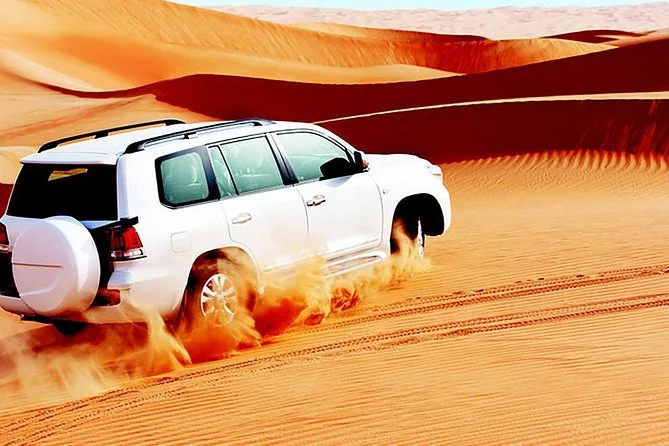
column 541, row 318
column 634, row 40
column 608, row 72
column 605, row 36
column 228, row 41
column 470, row 132
column 72, row 49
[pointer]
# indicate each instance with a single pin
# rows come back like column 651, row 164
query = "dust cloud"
column 40, row 366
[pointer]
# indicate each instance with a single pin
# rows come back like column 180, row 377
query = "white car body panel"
column 270, row 224
column 344, row 215
column 350, row 229
column 400, row 176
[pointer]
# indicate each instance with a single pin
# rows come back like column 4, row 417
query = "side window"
column 223, row 178
column 183, row 179
column 252, row 164
column 308, row 152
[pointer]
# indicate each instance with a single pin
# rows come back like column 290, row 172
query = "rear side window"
column 81, row 192
column 252, row 164
column 308, row 152
column 183, row 179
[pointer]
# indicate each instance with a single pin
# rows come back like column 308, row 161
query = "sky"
column 413, row 4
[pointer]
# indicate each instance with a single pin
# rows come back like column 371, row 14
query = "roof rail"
column 186, row 134
column 105, row 132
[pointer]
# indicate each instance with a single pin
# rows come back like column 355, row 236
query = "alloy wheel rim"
column 219, row 300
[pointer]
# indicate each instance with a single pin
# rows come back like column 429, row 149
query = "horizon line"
column 215, row 4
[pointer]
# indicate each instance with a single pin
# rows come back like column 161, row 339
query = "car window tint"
column 223, row 178
column 252, row 164
column 307, row 152
column 184, row 179
column 82, row 192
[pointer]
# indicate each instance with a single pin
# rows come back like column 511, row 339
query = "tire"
column 216, row 292
column 62, row 279
column 409, row 227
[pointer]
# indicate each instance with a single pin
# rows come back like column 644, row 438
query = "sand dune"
column 139, row 51
column 605, row 36
column 542, row 316
column 498, row 23
column 72, row 48
column 386, row 34
column 606, row 72
column 483, row 336
column 649, row 37
column 483, row 130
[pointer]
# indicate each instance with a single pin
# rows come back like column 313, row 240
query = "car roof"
column 108, row 149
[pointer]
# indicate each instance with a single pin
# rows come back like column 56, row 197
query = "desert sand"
column 499, row 23
column 541, row 317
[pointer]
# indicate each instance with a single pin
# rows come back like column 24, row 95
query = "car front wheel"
column 407, row 236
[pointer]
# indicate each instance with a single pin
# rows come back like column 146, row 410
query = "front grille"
column 7, row 285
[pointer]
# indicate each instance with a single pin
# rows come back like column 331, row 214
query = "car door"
column 263, row 214
column 344, row 214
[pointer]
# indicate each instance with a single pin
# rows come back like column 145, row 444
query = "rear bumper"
column 122, row 281
column 124, row 312
column 149, row 303
column 107, row 314
column 15, row 305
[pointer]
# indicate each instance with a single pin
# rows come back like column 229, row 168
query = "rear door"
column 344, row 214
column 45, row 202
column 263, row 214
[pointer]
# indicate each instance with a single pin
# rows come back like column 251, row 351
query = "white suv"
column 188, row 218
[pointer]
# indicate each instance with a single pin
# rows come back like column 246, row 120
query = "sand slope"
column 571, row 346
column 542, row 317
column 498, row 23
column 606, row 72
column 140, row 51
column 73, row 48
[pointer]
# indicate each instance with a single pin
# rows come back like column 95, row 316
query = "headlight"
column 436, row 171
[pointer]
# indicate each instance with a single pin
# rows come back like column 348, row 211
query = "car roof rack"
column 105, row 132
column 138, row 146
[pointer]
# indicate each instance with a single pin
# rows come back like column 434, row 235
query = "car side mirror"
column 337, row 167
column 360, row 160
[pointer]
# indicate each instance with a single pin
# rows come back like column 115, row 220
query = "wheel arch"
column 425, row 206
column 240, row 257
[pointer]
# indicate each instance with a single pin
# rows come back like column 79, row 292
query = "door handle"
column 241, row 218
column 316, row 200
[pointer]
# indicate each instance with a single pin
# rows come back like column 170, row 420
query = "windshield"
column 82, row 192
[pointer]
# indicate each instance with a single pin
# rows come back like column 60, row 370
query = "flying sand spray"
column 41, row 367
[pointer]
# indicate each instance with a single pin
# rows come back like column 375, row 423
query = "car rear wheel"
column 217, row 294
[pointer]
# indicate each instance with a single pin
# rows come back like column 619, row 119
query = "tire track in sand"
column 40, row 424
column 45, row 423
column 420, row 305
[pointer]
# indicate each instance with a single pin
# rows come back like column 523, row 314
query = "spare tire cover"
column 56, row 266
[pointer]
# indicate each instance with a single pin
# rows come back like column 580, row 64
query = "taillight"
column 125, row 244
column 4, row 239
